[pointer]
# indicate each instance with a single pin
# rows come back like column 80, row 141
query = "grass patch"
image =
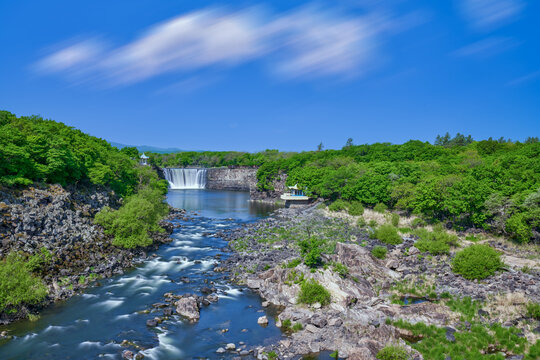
column 480, row 341
column 533, row 310
column 435, row 242
column 393, row 352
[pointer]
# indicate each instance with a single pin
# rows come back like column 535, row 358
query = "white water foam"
column 165, row 349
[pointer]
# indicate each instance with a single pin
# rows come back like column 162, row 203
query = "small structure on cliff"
column 295, row 196
column 143, row 159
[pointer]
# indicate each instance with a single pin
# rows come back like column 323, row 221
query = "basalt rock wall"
column 240, row 179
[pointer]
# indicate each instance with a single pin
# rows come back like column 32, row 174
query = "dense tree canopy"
column 34, row 149
column 490, row 184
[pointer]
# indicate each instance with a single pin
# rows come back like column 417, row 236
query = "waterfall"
column 185, row 178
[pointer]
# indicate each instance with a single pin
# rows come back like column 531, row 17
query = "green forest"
column 491, row 184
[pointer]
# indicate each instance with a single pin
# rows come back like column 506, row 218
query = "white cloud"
column 72, row 57
column 307, row 42
column 490, row 14
column 486, row 47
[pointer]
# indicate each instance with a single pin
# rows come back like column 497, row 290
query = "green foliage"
column 393, row 352
column 311, row 250
column 361, row 222
column 394, row 219
column 34, row 149
column 388, row 234
column 36, row 262
column 435, row 242
column 341, row 269
column 338, row 205
column 380, row 208
column 311, row 292
column 379, row 252
column 297, row 327
column 293, row 263
column 417, row 222
column 140, row 214
column 18, row 284
column 355, row 208
column 271, row 355
column 533, row 310
column 476, row 262
column 466, row 306
column 481, row 341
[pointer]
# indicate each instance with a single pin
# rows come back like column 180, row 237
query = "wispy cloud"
column 487, row 47
column 534, row 76
column 308, row 42
column 487, row 15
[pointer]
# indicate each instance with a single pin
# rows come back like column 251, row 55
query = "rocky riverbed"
column 59, row 221
column 367, row 298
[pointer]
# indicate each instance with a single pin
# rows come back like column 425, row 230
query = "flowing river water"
column 93, row 324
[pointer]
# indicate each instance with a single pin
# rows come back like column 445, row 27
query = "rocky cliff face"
column 241, row 179
column 60, row 220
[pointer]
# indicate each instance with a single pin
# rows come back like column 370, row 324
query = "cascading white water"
column 185, row 178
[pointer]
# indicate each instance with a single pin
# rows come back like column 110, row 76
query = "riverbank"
column 374, row 303
column 55, row 225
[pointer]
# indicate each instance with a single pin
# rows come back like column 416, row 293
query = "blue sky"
column 247, row 75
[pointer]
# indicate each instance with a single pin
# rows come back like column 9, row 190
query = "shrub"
column 36, row 262
column 361, row 222
column 341, row 269
column 393, row 352
column 372, row 223
column 380, row 208
column 311, row 250
column 286, row 325
column 418, row 223
column 293, row 263
column 476, row 262
column 388, row 234
column 394, row 219
column 435, row 242
column 533, row 310
column 139, row 215
column 297, row 327
column 379, row 252
column 311, row 292
column 18, row 285
column 337, row 205
column 355, row 208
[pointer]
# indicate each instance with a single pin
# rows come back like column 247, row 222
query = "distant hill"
column 147, row 148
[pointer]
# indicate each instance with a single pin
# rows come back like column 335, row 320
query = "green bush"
column 355, row 208
column 380, row 208
column 361, row 222
column 17, row 284
column 341, row 269
column 293, row 263
column 393, row 352
column 338, row 205
column 379, row 252
column 388, row 234
column 476, row 262
column 435, row 242
column 417, row 222
column 311, row 292
column 394, row 219
column 533, row 310
column 137, row 217
column 36, row 262
column 311, row 250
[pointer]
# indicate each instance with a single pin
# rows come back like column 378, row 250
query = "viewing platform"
column 295, row 196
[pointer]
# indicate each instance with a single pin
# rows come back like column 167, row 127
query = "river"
column 93, row 324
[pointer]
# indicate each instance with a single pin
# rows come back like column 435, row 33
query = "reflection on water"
column 219, row 204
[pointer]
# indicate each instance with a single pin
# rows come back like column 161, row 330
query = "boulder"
column 189, row 308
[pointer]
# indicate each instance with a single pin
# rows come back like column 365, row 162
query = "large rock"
column 189, row 308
